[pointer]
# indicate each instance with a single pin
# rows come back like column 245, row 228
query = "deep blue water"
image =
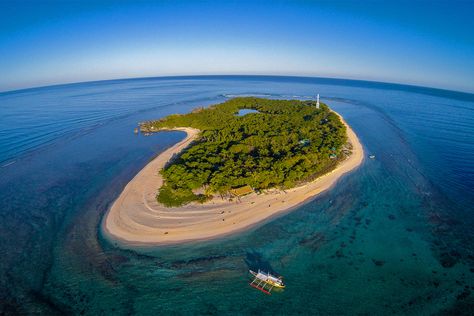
column 393, row 237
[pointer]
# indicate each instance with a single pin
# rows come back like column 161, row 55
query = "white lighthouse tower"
column 317, row 101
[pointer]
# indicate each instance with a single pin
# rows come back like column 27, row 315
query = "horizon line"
column 412, row 86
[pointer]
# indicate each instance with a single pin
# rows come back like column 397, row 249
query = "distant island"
column 240, row 157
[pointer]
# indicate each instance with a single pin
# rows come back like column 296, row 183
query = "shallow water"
column 393, row 237
column 243, row 112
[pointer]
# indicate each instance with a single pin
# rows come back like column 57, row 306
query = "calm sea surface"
column 394, row 237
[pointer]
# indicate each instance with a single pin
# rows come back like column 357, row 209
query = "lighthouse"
column 317, row 101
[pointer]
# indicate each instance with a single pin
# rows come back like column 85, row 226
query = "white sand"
column 137, row 218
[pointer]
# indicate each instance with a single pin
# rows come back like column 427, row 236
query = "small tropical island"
column 242, row 162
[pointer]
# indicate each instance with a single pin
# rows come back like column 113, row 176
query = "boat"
column 372, row 156
column 265, row 282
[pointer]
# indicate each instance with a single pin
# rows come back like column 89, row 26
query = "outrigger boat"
column 265, row 282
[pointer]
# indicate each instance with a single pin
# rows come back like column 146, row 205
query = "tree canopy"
column 285, row 143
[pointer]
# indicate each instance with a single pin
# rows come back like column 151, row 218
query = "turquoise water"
column 393, row 237
column 243, row 112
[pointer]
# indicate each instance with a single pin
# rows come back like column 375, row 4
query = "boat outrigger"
column 265, row 282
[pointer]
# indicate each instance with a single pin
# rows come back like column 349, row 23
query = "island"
column 242, row 162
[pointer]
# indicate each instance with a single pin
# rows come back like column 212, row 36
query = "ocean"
column 393, row 237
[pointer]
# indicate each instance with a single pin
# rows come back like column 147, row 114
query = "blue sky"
column 428, row 43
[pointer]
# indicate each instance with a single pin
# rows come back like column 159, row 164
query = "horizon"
column 55, row 43
column 396, row 85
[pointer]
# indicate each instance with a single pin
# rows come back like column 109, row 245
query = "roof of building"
column 241, row 191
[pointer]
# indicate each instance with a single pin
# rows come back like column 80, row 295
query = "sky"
column 427, row 43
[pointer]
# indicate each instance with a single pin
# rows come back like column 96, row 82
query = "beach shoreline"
column 137, row 219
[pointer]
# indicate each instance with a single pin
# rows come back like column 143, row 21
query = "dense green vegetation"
column 287, row 142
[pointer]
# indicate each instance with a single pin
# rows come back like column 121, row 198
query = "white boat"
column 265, row 282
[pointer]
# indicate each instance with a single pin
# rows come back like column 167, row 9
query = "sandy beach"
column 137, row 218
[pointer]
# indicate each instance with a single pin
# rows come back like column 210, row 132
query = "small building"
column 304, row 142
column 241, row 191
